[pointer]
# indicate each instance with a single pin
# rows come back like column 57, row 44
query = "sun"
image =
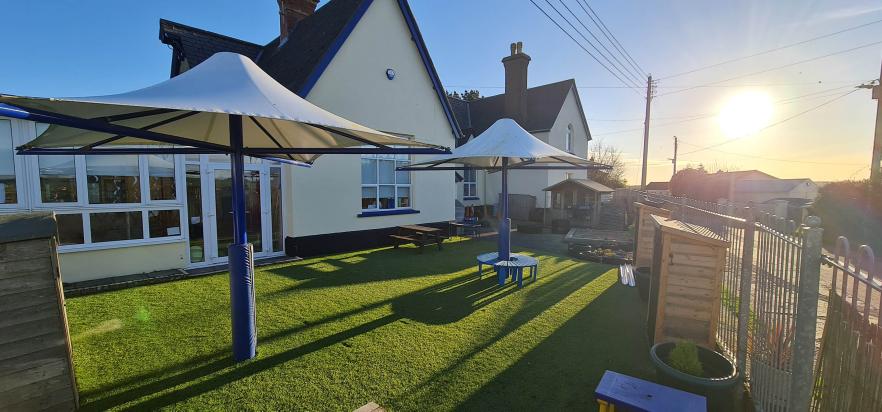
column 746, row 113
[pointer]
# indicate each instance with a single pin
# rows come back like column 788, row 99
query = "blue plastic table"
column 616, row 391
column 514, row 266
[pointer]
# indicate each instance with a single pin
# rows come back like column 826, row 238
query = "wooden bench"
column 417, row 235
column 622, row 392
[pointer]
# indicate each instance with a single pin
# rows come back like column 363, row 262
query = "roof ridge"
column 208, row 32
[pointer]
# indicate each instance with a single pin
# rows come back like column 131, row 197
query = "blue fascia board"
column 389, row 212
column 471, row 198
column 417, row 39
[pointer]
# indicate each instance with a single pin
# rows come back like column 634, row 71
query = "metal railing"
column 768, row 313
column 849, row 366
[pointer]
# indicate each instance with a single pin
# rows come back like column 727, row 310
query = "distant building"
column 762, row 191
column 659, row 188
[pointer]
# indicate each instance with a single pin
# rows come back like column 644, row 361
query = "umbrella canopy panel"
column 193, row 110
column 507, row 139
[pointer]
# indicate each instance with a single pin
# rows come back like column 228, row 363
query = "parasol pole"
column 505, row 222
column 241, row 255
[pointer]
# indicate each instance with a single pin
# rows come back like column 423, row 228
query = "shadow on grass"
column 563, row 370
column 373, row 265
column 441, row 303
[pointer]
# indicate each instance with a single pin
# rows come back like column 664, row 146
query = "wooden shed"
column 687, row 277
column 645, row 232
column 36, row 370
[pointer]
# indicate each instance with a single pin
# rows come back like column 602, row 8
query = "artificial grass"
column 409, row 331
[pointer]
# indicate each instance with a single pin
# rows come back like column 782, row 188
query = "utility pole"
column 650, row 92
column 674, row 159
column 875, row 172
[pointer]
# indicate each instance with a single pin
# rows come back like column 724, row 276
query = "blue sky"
column 65, row 47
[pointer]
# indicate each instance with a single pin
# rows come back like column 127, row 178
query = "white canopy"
column 507, row 139
column 195, row 105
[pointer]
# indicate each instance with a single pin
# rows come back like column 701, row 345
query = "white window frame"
column 396, row 185
column 20, row 166
column 568, row 142
column 466, row 184
column 82, row 205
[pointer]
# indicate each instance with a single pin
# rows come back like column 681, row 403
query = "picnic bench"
column 417, row 235
column 623, row 392
column 466, row 228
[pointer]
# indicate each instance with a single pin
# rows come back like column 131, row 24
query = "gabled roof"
column 658, row 186
column 743, row 174
column 544, row 104
column 581, row 183
column 769, row 186
column 300, row 61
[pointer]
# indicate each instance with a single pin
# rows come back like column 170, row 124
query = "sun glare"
column 746, row 113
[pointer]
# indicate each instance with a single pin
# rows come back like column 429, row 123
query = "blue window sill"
column 389, row 212
column 471, row 198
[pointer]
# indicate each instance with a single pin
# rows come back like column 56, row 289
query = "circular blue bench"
column 514, row 266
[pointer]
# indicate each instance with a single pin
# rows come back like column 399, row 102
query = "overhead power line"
column 773, row 124
column 775, row 68
column 772, row 50
column 628, row 70
column 580, row 45
column 615, row 41
column 596, row 50
column 629, row 67
column 613, row 86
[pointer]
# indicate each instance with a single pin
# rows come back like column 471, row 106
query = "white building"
column 551, row 112
column 364, row 60
column 765, row 190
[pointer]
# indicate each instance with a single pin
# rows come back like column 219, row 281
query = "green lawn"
column 409, row 331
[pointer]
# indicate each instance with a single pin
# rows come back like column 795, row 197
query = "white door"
column 209, row 197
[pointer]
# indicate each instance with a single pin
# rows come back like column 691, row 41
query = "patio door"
column 262, row 210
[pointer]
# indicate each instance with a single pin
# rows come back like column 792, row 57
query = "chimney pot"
column 292, row 12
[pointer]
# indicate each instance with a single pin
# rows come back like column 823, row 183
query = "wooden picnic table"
column 418, row 235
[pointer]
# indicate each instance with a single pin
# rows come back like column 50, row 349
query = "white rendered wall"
column 327, row 197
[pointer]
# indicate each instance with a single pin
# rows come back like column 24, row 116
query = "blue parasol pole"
column 241, row 255
column 505, row 222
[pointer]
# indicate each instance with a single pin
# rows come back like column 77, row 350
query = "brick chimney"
column 291, row 12
column 516, row 84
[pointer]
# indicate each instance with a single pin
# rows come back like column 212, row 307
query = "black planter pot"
column 641, row 276
column 722, row 390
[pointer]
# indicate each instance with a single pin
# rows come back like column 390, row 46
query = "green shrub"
column 684, row 358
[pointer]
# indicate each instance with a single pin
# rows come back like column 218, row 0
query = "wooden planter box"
column 645, row 233
column 687, row 277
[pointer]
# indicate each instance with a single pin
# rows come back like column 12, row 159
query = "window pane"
column 163, row 223
column 113, row 179
column 276, row 207
column 58, row 179
column 108, row 227
column 387, row 197
column 162, row 176
column 368, row 197
column 387, row 171
column 7, row 164
column 194, row 213
column 70, row 229
column 403, row 196
column 368, row 171
column 402, row 177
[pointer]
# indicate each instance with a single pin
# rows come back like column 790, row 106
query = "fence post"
column 805, row 327
column 744, row 292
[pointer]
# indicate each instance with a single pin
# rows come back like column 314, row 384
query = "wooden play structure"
column 36, row 370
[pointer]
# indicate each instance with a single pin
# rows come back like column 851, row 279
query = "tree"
column 467, row 95
column 610, row 156
column 688, row 182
